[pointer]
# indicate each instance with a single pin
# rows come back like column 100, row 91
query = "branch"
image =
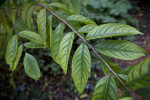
column 89, row 46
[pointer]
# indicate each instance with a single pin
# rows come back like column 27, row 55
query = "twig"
column 89, row 46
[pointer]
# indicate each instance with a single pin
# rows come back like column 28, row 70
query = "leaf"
column 64, row 50
column 123, row 77
column 62, row 7
column 75, row 5
column 111, row 29
column 87, row 28
column 139, row 75
column 4, row 22
column 75, row 25
column 50, row 31
column 11, row 14
column 127, row 70
column 31, row 67
column 41, row 22
column 112, row 65
column 80, row 19
column 24, row 12
column 105, row 89
column 32, row 36
column 56, row 38
column 17, row 58
column 127, row 98
column 120, row 49
column 34, row 45
column 81, row 67
column 11, row 49
column 29, row 15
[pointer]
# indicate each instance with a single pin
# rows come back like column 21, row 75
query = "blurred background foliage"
column 54, row 85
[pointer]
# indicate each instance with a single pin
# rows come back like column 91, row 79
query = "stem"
column 89, row 46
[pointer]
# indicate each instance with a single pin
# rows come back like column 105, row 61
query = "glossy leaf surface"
column 80, row 19
column 32, row 36
column 56, row 38
column 64, row 50
column 120, row 49
column 41, row 22
column 87, row 28
column 139, row 76
column 111, row 29
column 105, row 89
column 31, row 67
column 17, row 58
column 81, row 67
column 33, row 45
column 11, row 49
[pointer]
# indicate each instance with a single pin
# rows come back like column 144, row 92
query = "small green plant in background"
column 55, row 25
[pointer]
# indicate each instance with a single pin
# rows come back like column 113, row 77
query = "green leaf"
column 4, row 22
column 11, row 49
column 127, row 98
column 31, row 67
column 120, row 49
column 17, row 58
column 11, row 14
column 32, row 36
column 64, row 50
column 87, row 28
column 105, row 89
column 112, row 65
column 123, row 77
column 80, row 19
column 75, row 5
column 81, row 67
column 34, row 45
column 62, row 7
column 111, row 29
column 56, row 38
column 41, row 22
column 24, row 12
column 50, row 31
column 29, row 15
column 139, row 76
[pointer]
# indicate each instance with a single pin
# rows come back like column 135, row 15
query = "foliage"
column 37, row 29
column 106, row 11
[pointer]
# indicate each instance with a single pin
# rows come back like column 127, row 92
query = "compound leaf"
column 120, row 49
column 56, row 38
column 11, row 49
column 32, row 36
column 105, row 89
column 31, row 67
column 80, row 19
column 81, row 67
column 64, row 50
column 111, row 29
column 139, row 75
